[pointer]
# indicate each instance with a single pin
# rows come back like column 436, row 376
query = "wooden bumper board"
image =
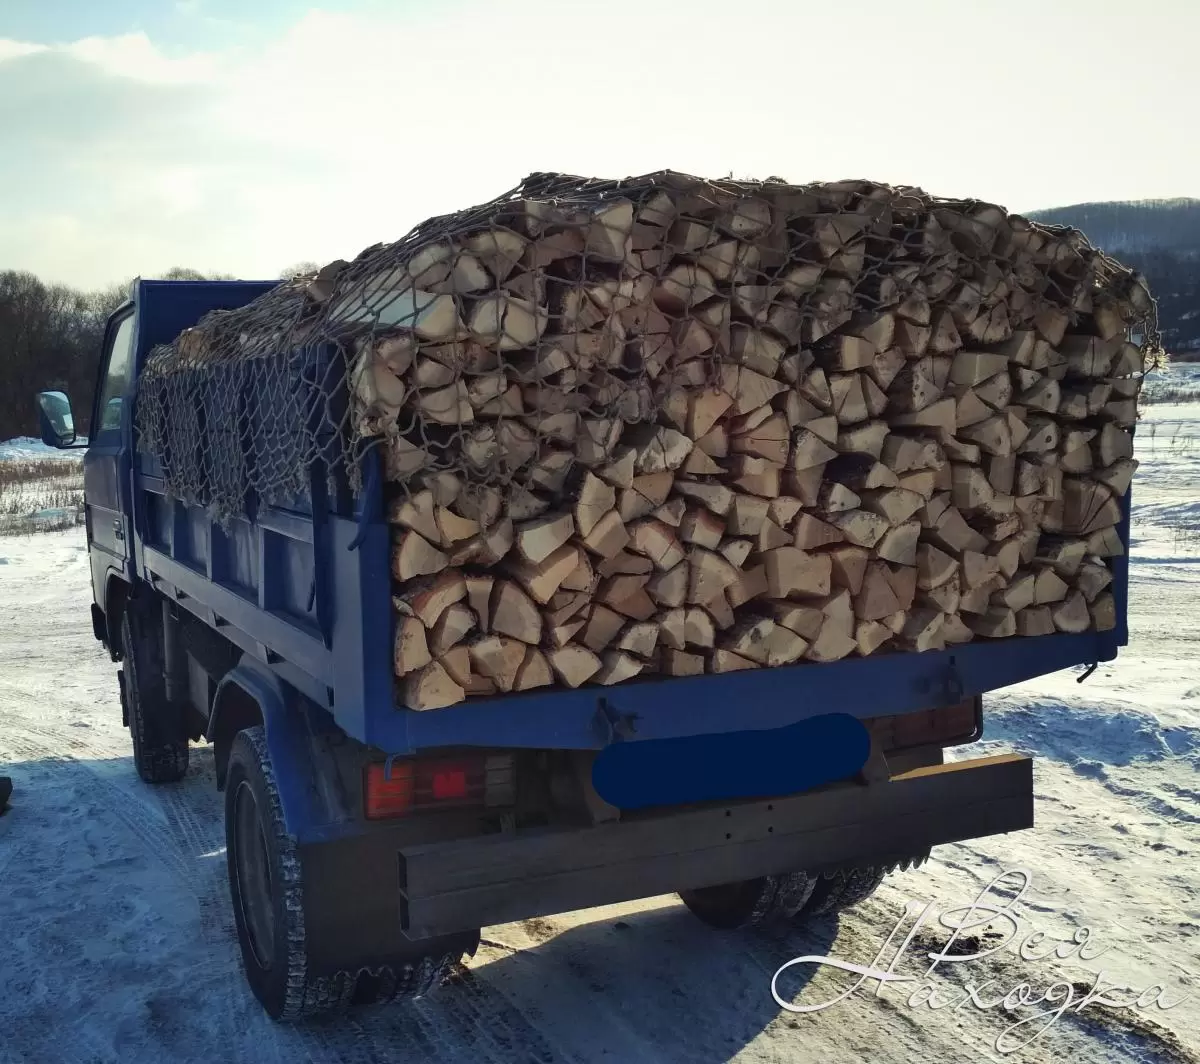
column 452, row 886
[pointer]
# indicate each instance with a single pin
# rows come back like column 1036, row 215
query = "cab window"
column 116, row 377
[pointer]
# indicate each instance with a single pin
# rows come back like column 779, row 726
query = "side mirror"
column 57, row 422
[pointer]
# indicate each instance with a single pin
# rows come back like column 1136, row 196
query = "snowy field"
column 118, row 944
column 41, row 488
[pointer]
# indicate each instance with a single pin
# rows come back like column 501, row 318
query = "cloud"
column 14, row 49
column 343, row 129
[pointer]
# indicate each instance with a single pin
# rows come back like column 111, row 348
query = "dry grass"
column 40, row 495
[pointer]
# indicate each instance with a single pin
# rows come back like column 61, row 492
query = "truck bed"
column 304, row 589
column 307, row 594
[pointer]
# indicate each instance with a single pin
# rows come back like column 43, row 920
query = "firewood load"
column 667, row 427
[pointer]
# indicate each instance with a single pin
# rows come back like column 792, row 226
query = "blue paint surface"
column 744, row 764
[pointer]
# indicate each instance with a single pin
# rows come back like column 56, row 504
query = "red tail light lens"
column 385, row 797
column 448, row 782
column 438, row 783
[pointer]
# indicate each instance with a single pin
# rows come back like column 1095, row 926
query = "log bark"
column 431, row 688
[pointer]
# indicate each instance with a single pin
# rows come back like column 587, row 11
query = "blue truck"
column 368, row 843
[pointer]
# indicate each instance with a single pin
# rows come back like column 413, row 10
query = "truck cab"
column 367, row 843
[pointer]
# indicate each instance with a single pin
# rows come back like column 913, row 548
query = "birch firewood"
column 670, row 432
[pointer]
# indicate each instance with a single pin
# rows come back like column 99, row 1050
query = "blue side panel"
column 365, row 702
column 166, row 308
column 590, row 718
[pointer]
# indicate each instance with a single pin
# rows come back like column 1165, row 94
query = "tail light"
column 422, row 784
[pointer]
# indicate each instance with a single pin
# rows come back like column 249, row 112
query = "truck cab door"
column 106, row 463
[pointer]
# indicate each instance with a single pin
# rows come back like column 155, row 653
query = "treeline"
column 50, row 337
column 1174, row 280
column 1141, row 225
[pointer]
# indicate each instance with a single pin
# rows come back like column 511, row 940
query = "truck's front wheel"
column 160, row 749
column 267, row 887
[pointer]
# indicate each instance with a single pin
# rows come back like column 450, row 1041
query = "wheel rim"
column 253, row 869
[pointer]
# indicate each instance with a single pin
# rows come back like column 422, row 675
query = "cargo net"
column 675, row 425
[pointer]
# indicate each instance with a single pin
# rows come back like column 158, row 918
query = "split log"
column 1106, row 543
column 727, row 661
column 415, row 556
column 608, row 536
column 451, row 628
column 934, row 567
column 895, row 505
column 1092, row 578
column 680, row 663
column 534, row 672
column 542, row 580
column 859, row 527
column 876, row 599
column 955, row 630
column 596, row 498
column 411, row 650
column 428, row 603
column 639, row 638
column 431, row 688
column 514, row 614
column 499, row 659
column 810, row 532
column 657, row 542
column 1049, row 588
column 766, row 643
column 1035, row 621
column 709, row 575
column 536, row 540
column 899, row 544
column 791, row 571
column 923, row 630
column 603, row 626
column 1072, row 614
column 1103, row 612
column 617, row 667
column 574, row 665
column 997, row 623
column 870, row 636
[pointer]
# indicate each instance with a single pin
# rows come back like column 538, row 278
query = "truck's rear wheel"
column 266, row 884
column 750, row 902
column 840, row 890
column 160, row 749
column 846, row 887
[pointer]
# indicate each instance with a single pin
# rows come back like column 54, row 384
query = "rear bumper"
column 454, row 886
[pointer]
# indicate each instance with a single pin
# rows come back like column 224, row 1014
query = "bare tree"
column 298, row 269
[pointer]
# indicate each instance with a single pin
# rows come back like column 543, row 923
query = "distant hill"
column 1140, row 225
column 1162, row 239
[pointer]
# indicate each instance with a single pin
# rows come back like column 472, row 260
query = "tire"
column 847, row 887
column 840, row 890
column 750, row 902
column 160, row 749
column 267, row 889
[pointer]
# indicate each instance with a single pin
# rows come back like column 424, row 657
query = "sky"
column 242, row 136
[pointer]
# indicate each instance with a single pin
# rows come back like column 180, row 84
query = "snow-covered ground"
column 27, row 448
column 1178, row 382
column 116, row 940
column 41, row 489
